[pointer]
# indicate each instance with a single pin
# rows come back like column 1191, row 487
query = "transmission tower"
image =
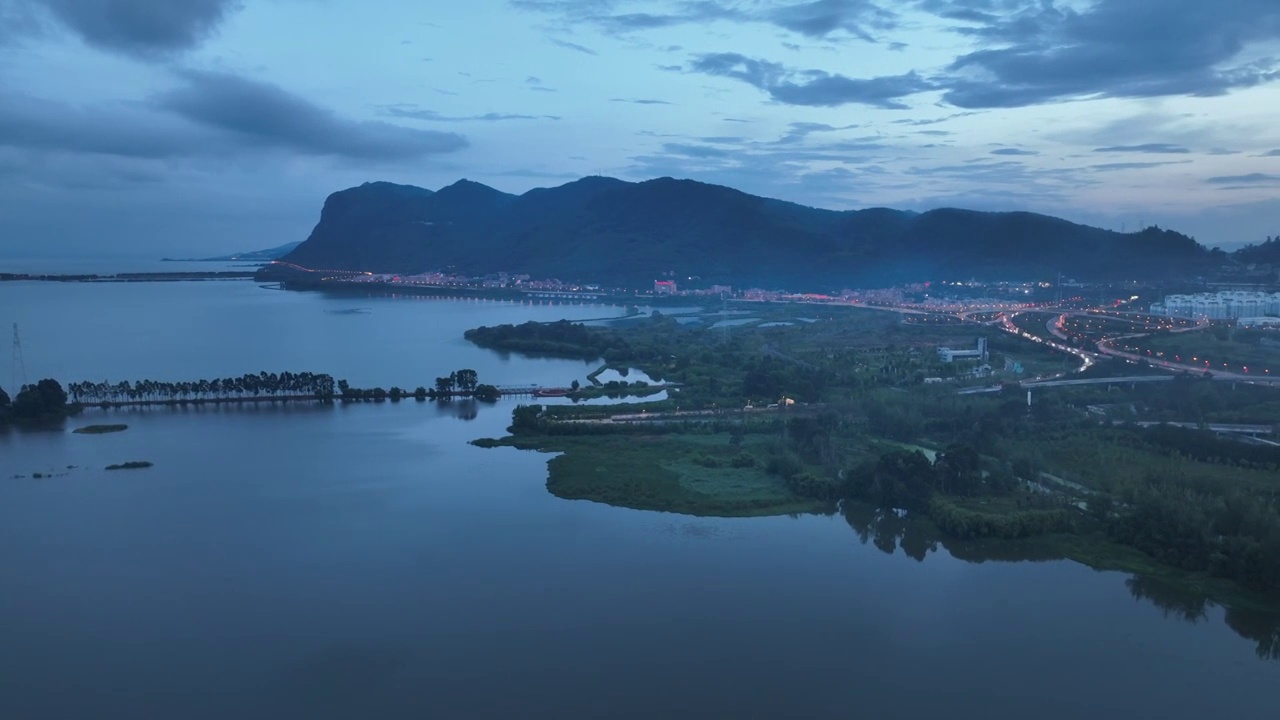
column 19, row 365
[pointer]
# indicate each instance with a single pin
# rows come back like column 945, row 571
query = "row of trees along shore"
column 267, row 386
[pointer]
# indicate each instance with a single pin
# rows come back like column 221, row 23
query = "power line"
column 19, row 365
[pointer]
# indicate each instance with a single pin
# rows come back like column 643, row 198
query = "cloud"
column 814, row 19
column 416, row 113
column 1154, row 148
column 141, row 28
column 699, row 151
column 1113, row 167
column 933, row 121
column 813, row 88
column 1046, row 51
column 115, row 129
column 1013, row 151
column 260, row 113
column 821, row 18
column 1250, row 179
column 1185, row 130
column 640, row 101
column 573, row 46
column 1271, row 153
column 798, row 131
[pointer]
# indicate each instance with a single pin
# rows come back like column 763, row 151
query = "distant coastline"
column 130, row 276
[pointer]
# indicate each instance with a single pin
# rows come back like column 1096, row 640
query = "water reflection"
column 890, row 531
column 459, row 408
column 1173, row 601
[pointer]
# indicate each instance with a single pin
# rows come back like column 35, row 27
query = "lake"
column 365, row 561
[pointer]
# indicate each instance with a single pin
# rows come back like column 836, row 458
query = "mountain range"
column 613, row 232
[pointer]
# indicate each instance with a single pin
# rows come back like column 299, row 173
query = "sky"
column 180, row 127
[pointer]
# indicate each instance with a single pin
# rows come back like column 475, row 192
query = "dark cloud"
column 1045, row 51
column 573, row 46
column 821, row 18
column 1154, row 148
column 1250, row 179
column 1113, row 167
column 144, row 28
column 263, row 114
column 1271, row 153
column 416, row 113
column 814, row 19
column 115, row 129
column 1013, row 151
column 813, row 88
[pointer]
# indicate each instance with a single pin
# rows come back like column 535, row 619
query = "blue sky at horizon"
column 201, row 126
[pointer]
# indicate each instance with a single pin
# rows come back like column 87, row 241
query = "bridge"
column 532, row 391
column 1099, row 381
column 1035, row 384
column 1217, row 427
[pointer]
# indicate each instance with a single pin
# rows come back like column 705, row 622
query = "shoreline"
column 177, row 276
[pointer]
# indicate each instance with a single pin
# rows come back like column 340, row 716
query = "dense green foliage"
column 561, row 339
column 1267, row 252
column 250, row 385
column 1070, row 467
column 626, row 234
column 43, row 402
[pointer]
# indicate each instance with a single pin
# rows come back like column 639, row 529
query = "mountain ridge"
column 610, row 231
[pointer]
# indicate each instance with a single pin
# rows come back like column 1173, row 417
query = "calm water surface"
column 365, row 562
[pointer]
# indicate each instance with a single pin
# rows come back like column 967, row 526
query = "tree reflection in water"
column 890, row 530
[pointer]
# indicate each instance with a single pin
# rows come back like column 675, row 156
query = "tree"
column 44, row 399
column 4, row 400
column 466, row 380
column 960, row 469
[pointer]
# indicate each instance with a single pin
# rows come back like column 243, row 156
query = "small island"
column 100, row 429
column 133, row 465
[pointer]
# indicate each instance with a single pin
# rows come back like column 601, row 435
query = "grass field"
column 691, row 474
column 1097, row 458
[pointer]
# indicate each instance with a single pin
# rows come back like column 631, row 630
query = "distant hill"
column 267, row 255
column 609, row 231
column 1264, row 253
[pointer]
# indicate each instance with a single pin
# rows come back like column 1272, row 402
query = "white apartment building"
column 1220, row 306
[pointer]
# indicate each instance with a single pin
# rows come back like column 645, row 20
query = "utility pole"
column 19, row 365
